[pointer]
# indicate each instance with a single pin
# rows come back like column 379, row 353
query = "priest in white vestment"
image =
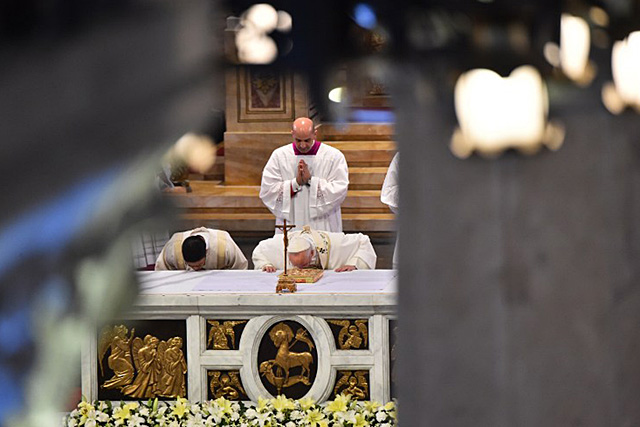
column 316, row 249
column 306, row 182
column 201, row 249
column 390, row 196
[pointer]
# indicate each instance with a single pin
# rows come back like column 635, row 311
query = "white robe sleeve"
column 235, row 259
column 275, row 190
column 329, row 191
column 365, row 256
column 390, row 190
column 269, row 252
column 166, row 259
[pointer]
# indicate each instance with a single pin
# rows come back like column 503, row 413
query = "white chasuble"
column 316, row 204
column 334, row 250
column 222, row 252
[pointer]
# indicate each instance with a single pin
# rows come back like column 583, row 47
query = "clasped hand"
column 303, row 176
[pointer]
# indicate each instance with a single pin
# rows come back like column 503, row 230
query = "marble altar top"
column 241, row 291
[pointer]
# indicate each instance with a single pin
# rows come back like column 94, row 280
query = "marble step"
column 367, row 178
column 366, row 153
column 355, row 131
column 209, row 194
column 262, row 222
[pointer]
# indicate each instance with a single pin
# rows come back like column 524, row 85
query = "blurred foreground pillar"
column 519, row 277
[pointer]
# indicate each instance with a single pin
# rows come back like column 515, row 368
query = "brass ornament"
column 353, row 383
column 220, row 333
column 277, row 371
column 352, row 335
column 226, row 384
column 143, row 368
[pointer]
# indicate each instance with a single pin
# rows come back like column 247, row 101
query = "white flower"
column 251, row 413
column 195, row 421
column 261, row 419
column 72, row 422
column 290, row 424
column 235, row 415
column 296, row 415
column 90, row 423
column 144, row 411
column 385, row 425
column 381, row 416
column 135, row 421
column 279, row 416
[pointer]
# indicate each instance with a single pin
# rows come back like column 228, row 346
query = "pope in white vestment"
column 306, row 182
column 390, row 195
column 330, row 251
column 219, row 252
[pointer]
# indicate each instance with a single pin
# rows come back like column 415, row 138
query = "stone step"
column 209, row 194
column 265, row 222
column 366, row 178
column 355, row 131
column 366, row 153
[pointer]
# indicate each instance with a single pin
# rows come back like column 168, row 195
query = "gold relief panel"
column 353, row 383
column 287, row 360
column 143, row 361
column 225, row 384
column 350, row 334
column 224, row 334
column 265, row 95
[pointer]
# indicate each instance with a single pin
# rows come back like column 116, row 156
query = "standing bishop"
column 306, row 182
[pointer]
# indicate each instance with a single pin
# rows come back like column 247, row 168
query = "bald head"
column 304, row 135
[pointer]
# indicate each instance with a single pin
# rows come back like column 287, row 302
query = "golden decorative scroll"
column 143, row 368
column 352, row 335
column 220, row 333
column 276, row 371
column 353, row 383
column 226, row 384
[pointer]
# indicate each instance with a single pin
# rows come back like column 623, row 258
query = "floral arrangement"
column 277, row 412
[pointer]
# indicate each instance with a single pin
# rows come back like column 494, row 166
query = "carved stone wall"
column 261, row 104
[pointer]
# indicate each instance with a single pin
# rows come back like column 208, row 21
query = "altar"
column 204, row 335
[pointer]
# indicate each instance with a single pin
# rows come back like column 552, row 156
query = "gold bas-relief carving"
column 352, row 335
column 143, row 368
column 219, row 334
column 226, row 384
column 353, row 383
column 276, row 371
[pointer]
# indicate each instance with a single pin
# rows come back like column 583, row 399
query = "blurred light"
column 497, row 113
column 365, row 16
column 575, row 42
column 373, row 116
column 252, row 40
column 337, row 94
column 599, row 16
column 197, row 151
column 257, row 50
column 625, row 67
column 551, row 53
column 285, row 22
column 262, row 16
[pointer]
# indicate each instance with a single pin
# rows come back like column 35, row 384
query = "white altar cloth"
column 252, row 282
